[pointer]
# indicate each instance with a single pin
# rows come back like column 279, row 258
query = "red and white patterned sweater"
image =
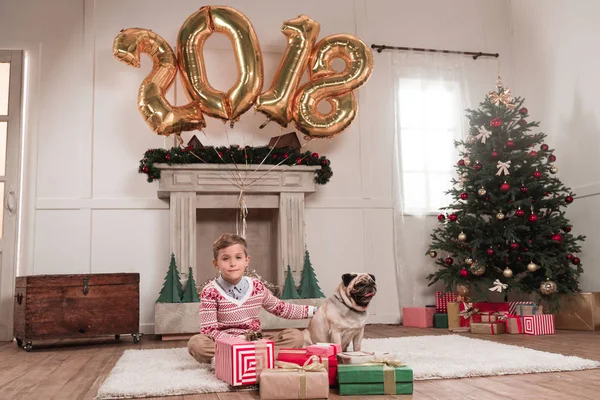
column 223, row 316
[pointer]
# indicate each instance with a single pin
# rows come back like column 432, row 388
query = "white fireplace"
column 204, row 202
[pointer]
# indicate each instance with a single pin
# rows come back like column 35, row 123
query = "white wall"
column 87, row 208
column 556, row 65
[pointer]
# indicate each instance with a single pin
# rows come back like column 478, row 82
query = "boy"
column 230, row 304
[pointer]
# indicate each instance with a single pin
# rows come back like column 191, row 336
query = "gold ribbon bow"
column 310, row 365
column 502, row 96
column 389, row 373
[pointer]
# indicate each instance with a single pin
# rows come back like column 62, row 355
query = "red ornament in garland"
column 557, row 238
column 315, row 155
column 441, row 217
column 505, row 187
column 490, row 252
column 537, row 174
column 220, row 154
column 449, row 260
column 552, row 158
column 533, row 153
column 510, row 144
column 576, row 260
column 298, row 161
column 523, row 111
column 519, row 213
column 524, row 189
column 325, row 162
column 495, row 154
column 496, row 122
column 514, row 246
column 453, row 217
column 463, row 273
column 569, row 199
column 285, row 155
column 544, row 147
column 533, row 218
column 464, row 195
column 567, row 229
column 167, row 156
column 461, row 162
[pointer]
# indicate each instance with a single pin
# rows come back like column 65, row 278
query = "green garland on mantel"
column 230, row 155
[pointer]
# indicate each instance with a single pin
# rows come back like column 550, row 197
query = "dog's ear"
column 347, row 278
column 372, row 277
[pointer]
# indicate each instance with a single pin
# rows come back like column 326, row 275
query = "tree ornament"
column 477, row 269
column 482, row 191
column 496, row 122
column 533, row 153
column 315, row 155
column 567, row 229
column 533, row 218
column 544, row 147
column 576, row 260
column 462, row 237
column 570, row 256
column 145, row 169
column 167, row 156
column 477, row 166
column 462, row 289
column 441, row 217
column 569, row 199
column 467, row 162
column 510, row 144
column 537, row 174
column 483, row 134
column 503, row 168
column 494, row 154
column 548, row 287
column 490, row 252
column 523, row 111
column 469, row 261
column 519, row 212
column 432, row 253
column 524, row 189
column 463, row 273
column 464, row 195
column 552, row 158
column 452, row 217
column 507, row 272
column 514, row 246
column 505, row 187
column 522, row 122
column 461, row 162
column 557, row 238
column 500, row 216
column 554, row 169
column 449, row 260
column 532, row 267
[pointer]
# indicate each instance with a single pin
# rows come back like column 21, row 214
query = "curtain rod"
column 476, row 55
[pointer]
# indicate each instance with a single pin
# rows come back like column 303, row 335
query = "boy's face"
column 232, row 262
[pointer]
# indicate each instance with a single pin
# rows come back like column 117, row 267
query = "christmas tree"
column 289, row 286
column 309, row 285
column 172, row 291
column 506, row 228
column 190, row 294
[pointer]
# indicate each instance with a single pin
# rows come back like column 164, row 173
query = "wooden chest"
column 76, row 306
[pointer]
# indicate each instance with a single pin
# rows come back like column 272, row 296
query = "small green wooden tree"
column 172, row 290
column 190, row 294
column 309, row 285
column 289, row 287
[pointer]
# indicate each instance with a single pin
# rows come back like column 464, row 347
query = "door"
column 11, row 72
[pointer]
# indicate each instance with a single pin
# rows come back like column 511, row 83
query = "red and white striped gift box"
column 441, row 301
column 512, row 306
column 538, row 324
column 236, row 360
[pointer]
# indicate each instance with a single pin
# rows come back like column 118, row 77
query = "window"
column 429, row 121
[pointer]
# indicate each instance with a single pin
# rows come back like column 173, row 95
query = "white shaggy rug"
column 164, row 372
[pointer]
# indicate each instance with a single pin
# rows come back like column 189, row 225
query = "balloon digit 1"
column 276, row 103
column 191, row 38
column 334, row 87
column 159, row 114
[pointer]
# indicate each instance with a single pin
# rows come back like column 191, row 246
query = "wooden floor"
column 76, row 369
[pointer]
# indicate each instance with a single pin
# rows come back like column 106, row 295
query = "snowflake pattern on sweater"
column 222, row 316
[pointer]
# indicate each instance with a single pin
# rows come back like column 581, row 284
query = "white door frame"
column 10, row 201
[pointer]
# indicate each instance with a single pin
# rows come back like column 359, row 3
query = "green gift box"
column 374, row 379
column 440, row 321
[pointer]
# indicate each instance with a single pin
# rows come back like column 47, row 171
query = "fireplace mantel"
column 190, row 187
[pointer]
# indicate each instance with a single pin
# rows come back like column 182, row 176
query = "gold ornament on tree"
column 532, row 267
column 554, row 169
column 477, row 269
column 500, row 216
column 462, row 237
column 467, row 162
column 507, row 272
column 548, row 287
column 432, row 253
column 463, row 290
column 482, row 191
column 468, row 261
column 501, row 95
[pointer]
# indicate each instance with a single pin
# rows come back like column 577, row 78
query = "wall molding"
column 158, row 204
column 593, row 189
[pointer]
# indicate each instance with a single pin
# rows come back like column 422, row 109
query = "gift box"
column 528, row 309
column 375, row 379
column 512, row 305
column 239, row 362
column 300, row 356
column 440, row 320
column 538, row 324
column 453, row 316
column 419, row 317
column 324, row 349
column 292, row 381
column 579, row 311
column 514, row 324
column 355, row 357
column 488, row 328
column 488, row 316
column 441, row 301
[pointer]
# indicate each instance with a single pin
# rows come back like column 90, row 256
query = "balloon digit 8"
column 276, row 103
column 159, row 114
column 334, row 87
column 191, row 38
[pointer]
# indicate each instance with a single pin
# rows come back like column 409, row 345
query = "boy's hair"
column 226, row 240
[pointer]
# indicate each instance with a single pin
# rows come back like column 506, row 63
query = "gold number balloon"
column 160, row 115
column 276, row 103
column 190, row 42
column 334, row 87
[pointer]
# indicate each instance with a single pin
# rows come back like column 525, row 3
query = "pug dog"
column 342, row 318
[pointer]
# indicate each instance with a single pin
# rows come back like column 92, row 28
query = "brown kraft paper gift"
column 490, row 328
column 453, row 316
column 580, row 311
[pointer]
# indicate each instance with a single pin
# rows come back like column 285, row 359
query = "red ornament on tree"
column 449, row 260
column 575, row 260
column 463, row 273
column 533, row 218
column 505, row 187
column 557, row 238
column 522, row 122
column 519, row 213
column 494, row 154
column 567, row 229
column 570, row 256
column 490, row 252
column 523, row 111
column 461, row 162
column 537, row 174
column 533, row 153
column 524, row 189
column 510, row 144
column 514, row 245
column 145, row 169
column 569, row 199
column 452, row 217
column 464, row 195
column 441, row 217
column 544, row 147
column 496, row 122
column 477, row 167
column 552, row 158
